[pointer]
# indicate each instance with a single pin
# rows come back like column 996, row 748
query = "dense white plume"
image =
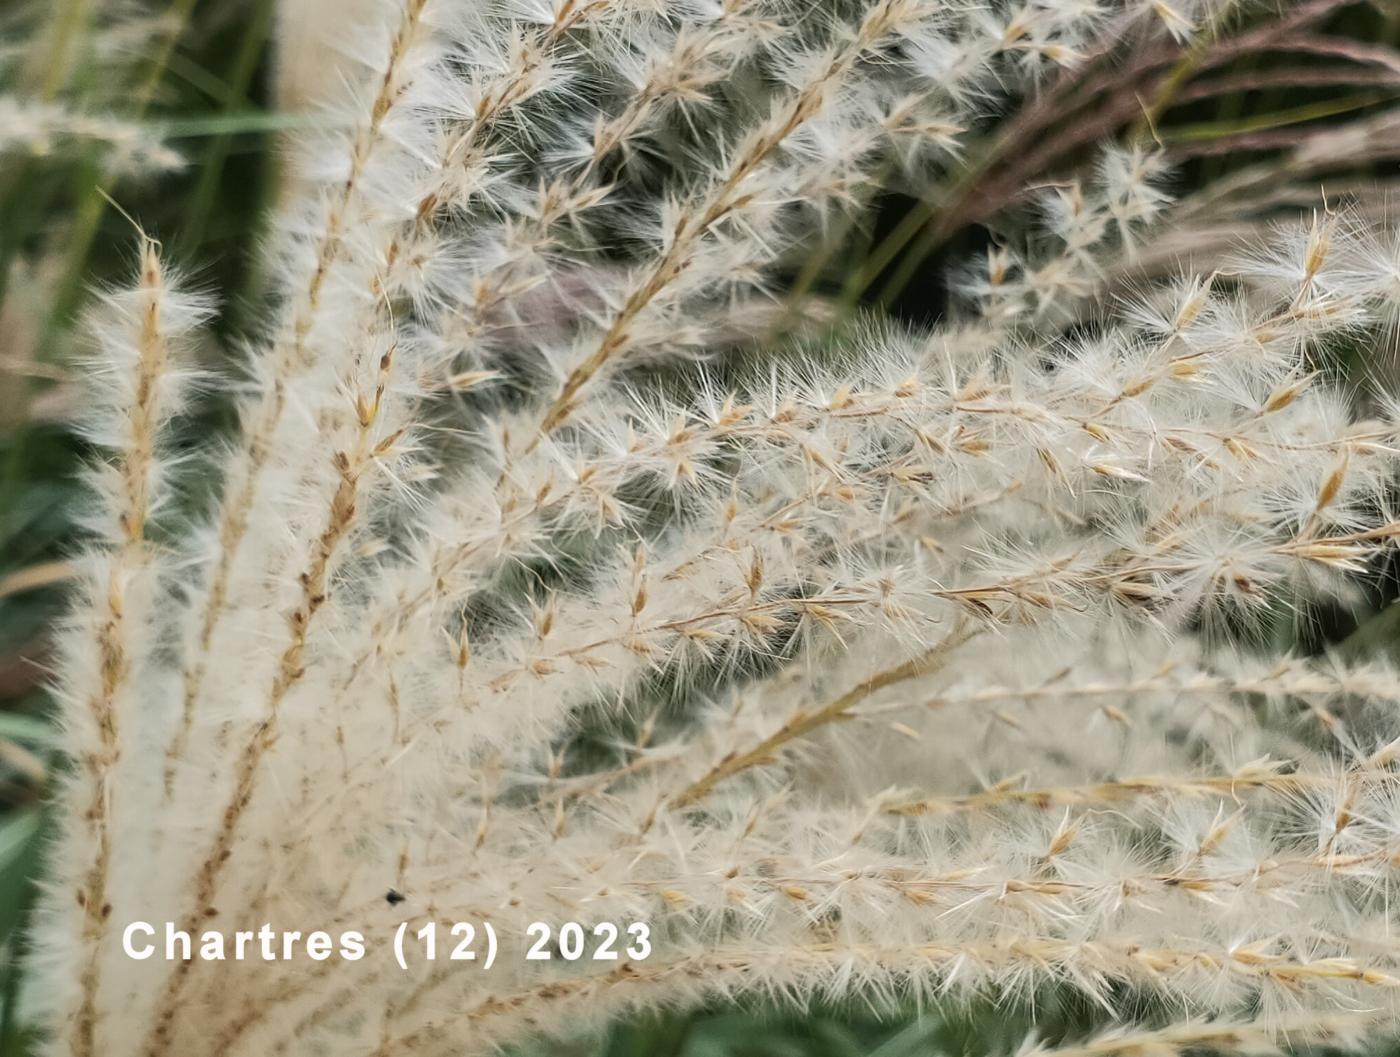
column 869, row 660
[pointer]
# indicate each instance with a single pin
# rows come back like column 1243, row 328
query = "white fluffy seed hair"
column 37, row 128
column 308, row 64
column 922, row 662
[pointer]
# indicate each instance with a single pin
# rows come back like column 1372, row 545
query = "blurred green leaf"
column 231, row 124
column 20, row 840
column 27, row 730
column 1376, row 638
column 1213, row 130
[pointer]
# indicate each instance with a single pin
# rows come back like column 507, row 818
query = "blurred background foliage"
column 199, row 76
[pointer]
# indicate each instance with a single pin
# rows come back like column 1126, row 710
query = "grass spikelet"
column 601, row 563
